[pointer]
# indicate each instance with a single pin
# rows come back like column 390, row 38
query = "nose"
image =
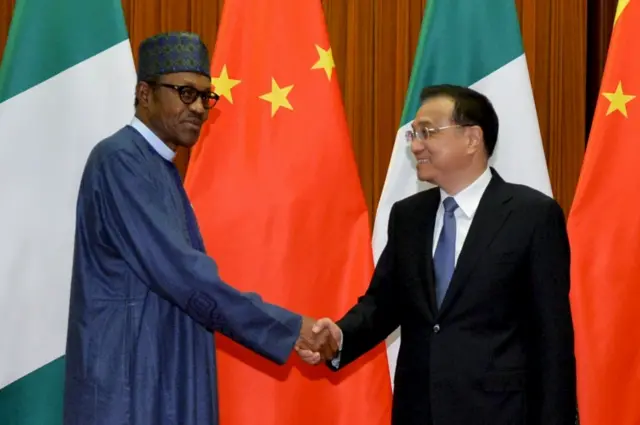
column 417, row 146
column 197, row 106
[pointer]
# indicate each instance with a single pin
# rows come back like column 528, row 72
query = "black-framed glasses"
column 189, row 94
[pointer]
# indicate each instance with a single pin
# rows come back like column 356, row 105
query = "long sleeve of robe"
column 144, row 299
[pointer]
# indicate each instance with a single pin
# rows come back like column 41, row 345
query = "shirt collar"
column 469, row 198
column 155, row 142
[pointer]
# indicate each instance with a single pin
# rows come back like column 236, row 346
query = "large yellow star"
column 325, row 61
column 223, row 84
column 618, row 100
column 277, row 97
column 621, row 5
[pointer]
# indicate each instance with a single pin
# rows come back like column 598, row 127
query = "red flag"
column 604, row 230
column 275, row 188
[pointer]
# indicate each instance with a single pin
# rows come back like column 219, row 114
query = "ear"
column 475, row 139
column 143, row 94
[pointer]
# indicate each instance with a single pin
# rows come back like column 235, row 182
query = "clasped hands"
column 319, row 341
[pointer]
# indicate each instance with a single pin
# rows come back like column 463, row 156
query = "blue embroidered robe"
column 145, row 298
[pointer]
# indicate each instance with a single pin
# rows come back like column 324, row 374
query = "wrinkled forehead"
column 435, row 111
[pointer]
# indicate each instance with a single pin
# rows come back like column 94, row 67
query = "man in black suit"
column 476, row 273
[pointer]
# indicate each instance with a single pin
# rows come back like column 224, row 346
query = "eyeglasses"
column 189, row 94
column 423, row 133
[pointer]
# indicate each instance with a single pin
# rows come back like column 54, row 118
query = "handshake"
column 318, row 341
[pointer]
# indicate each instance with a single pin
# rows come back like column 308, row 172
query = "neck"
column 461, row 181
column 146, row 121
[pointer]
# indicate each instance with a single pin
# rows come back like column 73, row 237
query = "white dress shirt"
column 468, row 201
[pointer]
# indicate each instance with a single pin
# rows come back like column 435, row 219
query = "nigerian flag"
column 67, row 80
column 475, row 44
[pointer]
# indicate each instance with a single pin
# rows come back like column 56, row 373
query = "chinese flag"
column 275, row 187
column 604, row 230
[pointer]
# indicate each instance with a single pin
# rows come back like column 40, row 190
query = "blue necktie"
column 445, row 255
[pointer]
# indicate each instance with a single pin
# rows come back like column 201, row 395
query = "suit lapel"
column 491, row 214
column 424, row 217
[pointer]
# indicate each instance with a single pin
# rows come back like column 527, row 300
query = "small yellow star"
column 325, row 61
column 223, row 84
column 618, row 100
column 621, row 5
column 277, row 97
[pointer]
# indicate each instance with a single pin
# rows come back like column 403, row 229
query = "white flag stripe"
column 47, row 133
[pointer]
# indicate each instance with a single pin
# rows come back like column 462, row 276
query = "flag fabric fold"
column 275, row 187
column 604, row 233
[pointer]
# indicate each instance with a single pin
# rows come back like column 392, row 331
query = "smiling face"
column 174, row 121
column 446, row 147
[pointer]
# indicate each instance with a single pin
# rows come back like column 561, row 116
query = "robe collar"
column 155, row 142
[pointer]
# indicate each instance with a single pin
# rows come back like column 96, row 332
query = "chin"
column 425, row 173
column 189, row 141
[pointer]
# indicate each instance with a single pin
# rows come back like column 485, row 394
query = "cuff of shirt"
column 335, row 362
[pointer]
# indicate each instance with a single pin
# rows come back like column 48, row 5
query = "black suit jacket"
column 500, row 349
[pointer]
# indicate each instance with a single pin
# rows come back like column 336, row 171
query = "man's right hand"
column 326, row 341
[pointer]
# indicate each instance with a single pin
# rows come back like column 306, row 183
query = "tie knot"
column 450, row 205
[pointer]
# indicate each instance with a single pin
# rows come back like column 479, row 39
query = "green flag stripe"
column 460, row 43
column 48, row 36
column 35, row 398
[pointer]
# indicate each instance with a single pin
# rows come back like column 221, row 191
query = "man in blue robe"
column 144, row 295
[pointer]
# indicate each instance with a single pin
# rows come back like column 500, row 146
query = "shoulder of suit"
column 521, row 194
column 528, row 196
column 418, row 200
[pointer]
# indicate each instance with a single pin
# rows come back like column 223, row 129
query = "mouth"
column 423, row 161
column 194, row 124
